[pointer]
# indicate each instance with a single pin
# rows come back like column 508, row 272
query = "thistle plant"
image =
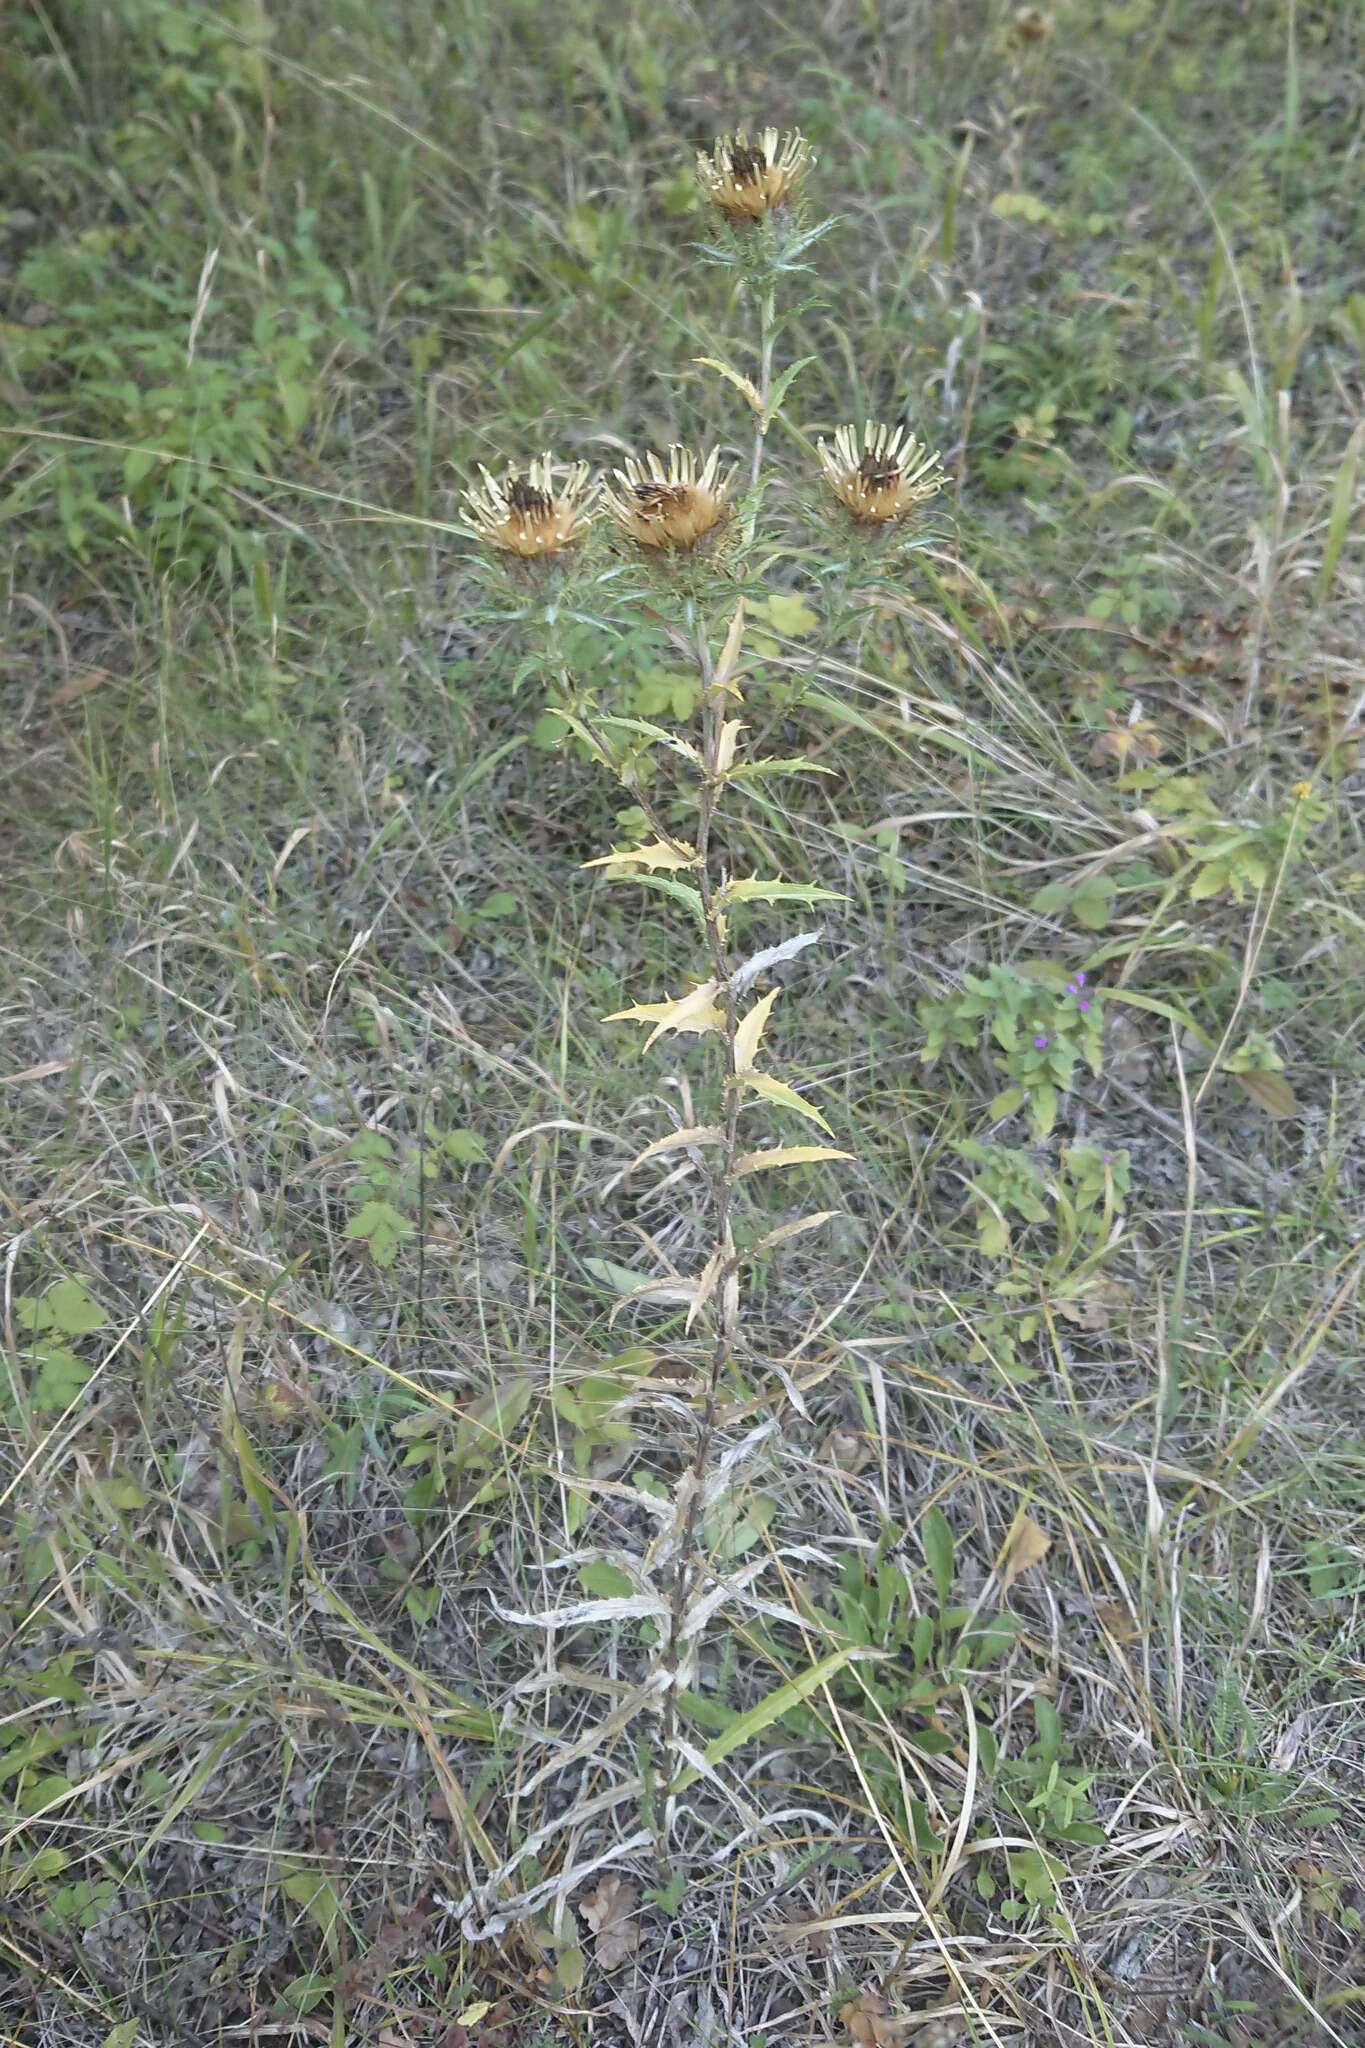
column 673, row 541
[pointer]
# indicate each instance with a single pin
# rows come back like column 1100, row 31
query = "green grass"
column 311, row 1136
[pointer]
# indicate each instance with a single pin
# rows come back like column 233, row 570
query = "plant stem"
column 725, row 1296
column 767, row 337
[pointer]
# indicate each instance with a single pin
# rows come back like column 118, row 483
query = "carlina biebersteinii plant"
column 532, row 515
column 672, row 507
column 691, row 790
column 887, row 478
column 748, row 179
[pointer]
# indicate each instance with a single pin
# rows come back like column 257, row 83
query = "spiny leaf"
column 658, row 854
column 705, row 1286
column 675, row 1141
column 755, row 889
column 797, row 764
column 744, row 385
column 781, row 388
column 787, row 1155
column 723, row 675
column 681, row 892
column 696, row 1011
column 750, row 1029
column 646, row 730
column 774, row 1090
column 797, row 1228
column 727, row 743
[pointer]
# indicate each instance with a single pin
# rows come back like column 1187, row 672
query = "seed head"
column 887, row 477
column 531, row 515
column 748, row 179
column 672, row 506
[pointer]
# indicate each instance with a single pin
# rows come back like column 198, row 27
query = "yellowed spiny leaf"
column 749, row 1030
column 705, row 1286
column 1025, row 1546
column 742, row 384
column 773, row 1090
column 722, row 677
column 797, row 1228
column 675, row 1141
column 696, row 1011
column 676, row 1293
column 657, row 855
column 727, row 743
column 787, row 1155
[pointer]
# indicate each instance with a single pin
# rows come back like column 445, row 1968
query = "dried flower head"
column 884, row 479
column 669, row 507
column 1031, row 25
column 748, row 179
column 531, row 515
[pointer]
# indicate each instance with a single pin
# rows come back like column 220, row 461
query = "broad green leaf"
column 382, row 1228
column 733, row 1526
column 1006, row 1103
column 786, row 1155
column 485, row 1426
column 937, row 1537
column 1049, row 1728
column 1093, row 903
column 65, row 1307
column 1268, row 1090
column 787, row 612
column 465, row 1147
column 1043, row 1107
column 502, row 903
column 60, row 1379
column 622, row 1278
column 604, row 1581
column 314, row 1891
column 1020, row 206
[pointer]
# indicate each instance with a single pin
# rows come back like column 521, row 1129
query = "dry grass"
column 289, row 1748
